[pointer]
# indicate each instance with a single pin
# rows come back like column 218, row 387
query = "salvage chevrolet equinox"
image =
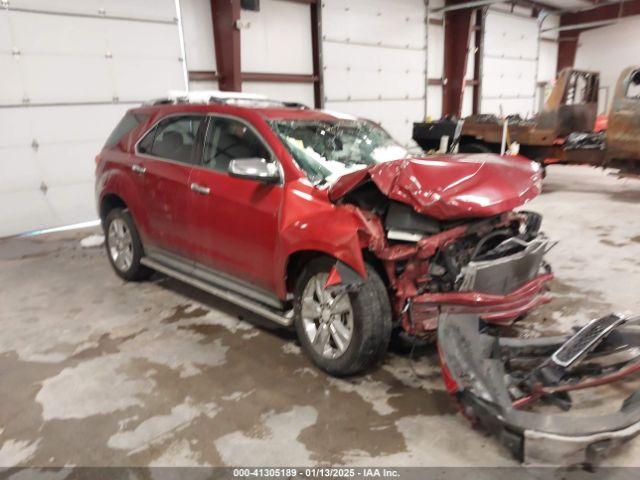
column 321, row 221
column 317, row 220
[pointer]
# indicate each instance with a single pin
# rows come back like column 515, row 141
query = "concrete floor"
column 95, row 371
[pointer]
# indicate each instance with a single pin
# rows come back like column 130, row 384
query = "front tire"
column 123, row 245
column 343, row 333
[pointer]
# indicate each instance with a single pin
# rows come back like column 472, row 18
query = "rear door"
column 235, row 221
column 164, row 161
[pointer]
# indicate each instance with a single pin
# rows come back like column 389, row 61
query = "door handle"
column 139, row 169
column 201, row 189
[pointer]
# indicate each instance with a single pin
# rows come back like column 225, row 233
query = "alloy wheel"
column 120, row 244
column 327, row 317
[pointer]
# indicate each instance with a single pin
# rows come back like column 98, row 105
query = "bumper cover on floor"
column 474, row 368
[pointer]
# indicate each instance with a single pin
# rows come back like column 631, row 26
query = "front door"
column 165, row 160
column 235, row 220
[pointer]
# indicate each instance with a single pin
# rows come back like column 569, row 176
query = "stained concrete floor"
column 95, row 371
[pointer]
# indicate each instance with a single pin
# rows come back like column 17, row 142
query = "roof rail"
column 216, row 96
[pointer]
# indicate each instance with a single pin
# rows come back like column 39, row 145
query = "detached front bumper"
column 497, row 380
column 548, row 448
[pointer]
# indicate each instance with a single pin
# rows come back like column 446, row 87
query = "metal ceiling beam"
column 574, row 23
column 609, row 11
column 465, row 5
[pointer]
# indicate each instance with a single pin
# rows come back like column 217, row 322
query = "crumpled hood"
column 452, row 186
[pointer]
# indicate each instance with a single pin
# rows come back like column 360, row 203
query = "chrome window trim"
column 147, row 131
column 258, row 135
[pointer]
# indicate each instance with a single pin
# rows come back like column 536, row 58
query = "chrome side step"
column 255, row 307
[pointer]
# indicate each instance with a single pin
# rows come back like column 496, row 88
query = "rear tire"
column 124, row 247
column 364, row 313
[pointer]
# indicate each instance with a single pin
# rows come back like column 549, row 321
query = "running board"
column 255, row 307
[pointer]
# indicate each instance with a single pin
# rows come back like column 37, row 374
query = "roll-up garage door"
column 70, row 69
column 509, row 68
column 374, row 54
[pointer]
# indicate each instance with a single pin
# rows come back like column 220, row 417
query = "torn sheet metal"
column 451, row 187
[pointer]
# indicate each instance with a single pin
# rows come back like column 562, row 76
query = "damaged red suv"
column 322, row 221
column 318, row 220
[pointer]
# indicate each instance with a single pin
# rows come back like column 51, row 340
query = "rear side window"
column 126, row 124
column 173, row 138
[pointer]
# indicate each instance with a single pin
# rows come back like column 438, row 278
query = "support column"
column 316, row 51
column 567, row 48
column 225, row 14
column 478, row 58
column 457, row 25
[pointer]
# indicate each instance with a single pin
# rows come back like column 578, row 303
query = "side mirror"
column 254, row 169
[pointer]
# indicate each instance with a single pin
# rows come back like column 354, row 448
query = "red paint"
column 498, row 309
column 334, row 278
column 602, row 122
column 449, row 187
column 449, row 382
column 591, row 382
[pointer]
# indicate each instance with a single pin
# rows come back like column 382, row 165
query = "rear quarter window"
column 126, row 124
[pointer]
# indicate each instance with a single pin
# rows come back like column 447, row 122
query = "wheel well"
column 377, row 265
column 298, row 260
column 109, row 202
column 296, row 263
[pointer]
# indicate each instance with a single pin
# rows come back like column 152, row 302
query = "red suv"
column 318, row 220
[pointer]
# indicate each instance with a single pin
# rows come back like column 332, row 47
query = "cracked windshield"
column 326, row 150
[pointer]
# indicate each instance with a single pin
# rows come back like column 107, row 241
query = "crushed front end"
column 493, row 267
column 449, row 239
column 514, row 388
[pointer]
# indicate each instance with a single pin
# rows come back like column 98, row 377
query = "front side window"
column 174, row 138
column 228, row 139
column 326, row 150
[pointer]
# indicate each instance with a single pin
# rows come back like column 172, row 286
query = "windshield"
column 326, row 150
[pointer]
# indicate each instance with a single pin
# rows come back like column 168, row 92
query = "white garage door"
column 70, row 69
column 509, row 76
column 374, row 54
